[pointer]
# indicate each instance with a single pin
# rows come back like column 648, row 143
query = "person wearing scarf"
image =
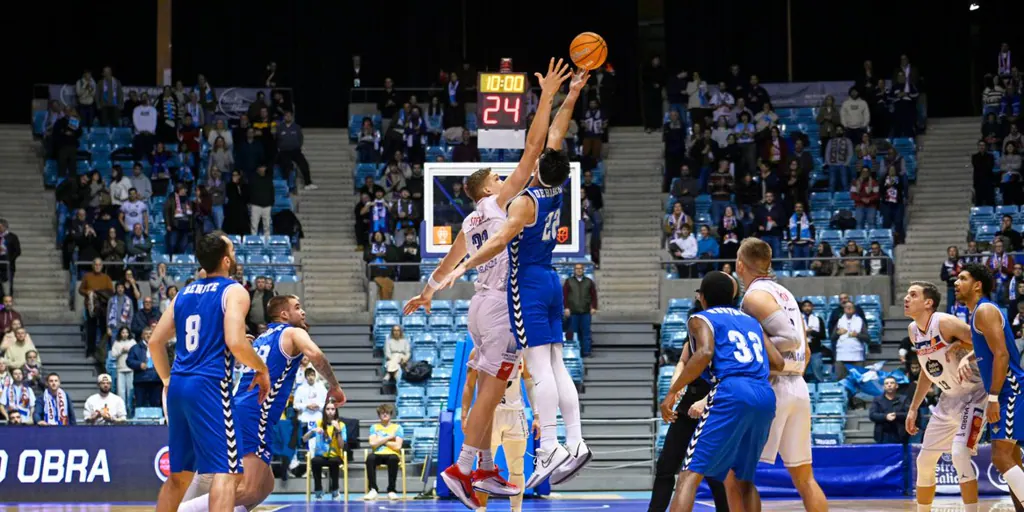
column 18, row 395
column 1005, row 65
column 54, row 407
column 405, row 211
column 800, row 236
column 379, row 213
column 455, row 110
column 5, row 379
column 119, row 311
column 1000, row 264
column 379, row 251
column 207, row 97
column 675, row 221
column 178, row 218
column 415, row 136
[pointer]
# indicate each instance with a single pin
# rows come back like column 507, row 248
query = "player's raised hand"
column 455, row 275
column 579, row 79
column 261, row 379
column 911, row 423
column 557, row 73
column 415, row 303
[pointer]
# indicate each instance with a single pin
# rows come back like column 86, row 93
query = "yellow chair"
column 344, row 474
column 401, row 467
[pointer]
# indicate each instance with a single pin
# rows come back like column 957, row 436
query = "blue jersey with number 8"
column 200, row 348
column 539, row 238
column 739, row 345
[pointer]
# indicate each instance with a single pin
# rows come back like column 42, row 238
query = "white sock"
column 568, row 398
column 466, row 459
column 538, row 360
column 199, row 504
column 927, row 508
column 1015, row 479
column 239, row 508
column 972, row 507
column 486, row 460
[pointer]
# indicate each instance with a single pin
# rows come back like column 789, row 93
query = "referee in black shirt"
column 676, row 441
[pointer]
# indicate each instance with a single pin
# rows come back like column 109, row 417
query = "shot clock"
column 501, row 110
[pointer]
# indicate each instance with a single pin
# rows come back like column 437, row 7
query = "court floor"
column 580, row 502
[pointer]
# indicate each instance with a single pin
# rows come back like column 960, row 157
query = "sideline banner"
column 231, row 101
column 990, row 482
column 806, row 94
column 82, row 464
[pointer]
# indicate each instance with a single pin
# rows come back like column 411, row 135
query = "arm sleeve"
column 781, row 332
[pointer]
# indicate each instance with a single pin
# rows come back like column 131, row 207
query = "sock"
column 486, row 460
column 972, row 507
column 467, row 458
column 927, row 508
column 200, row 504
column 239, row 508
column 538, row 360
column 1015, row 479
column 568, row 399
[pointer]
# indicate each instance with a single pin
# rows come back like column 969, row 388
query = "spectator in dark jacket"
column 838, row 312
column 889, row 412
column 289, row 150
column 983, row 163
column 54, row 406
column 814, row 329
column 261, row 200
column 769, row 219
column 145, row 317
column 148, row 386
column 66, row 132
column 950, row 270
column 249, row 153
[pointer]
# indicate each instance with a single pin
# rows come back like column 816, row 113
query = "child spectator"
column 386, row 440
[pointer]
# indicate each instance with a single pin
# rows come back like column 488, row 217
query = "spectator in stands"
column 143, row 187
column 134, row 211
column 363, row 220
column 877, row 263
column 852, row 263
column 380, row 210
column 839, row 154
column 10, row 250
column 991, row 96
column 893, row 195
column 1014, row 137
column 259, row 297
column 983, row 163
column 393, row 181
column 54, row 407
column 684, row 247
column 829, row 120
column 992, row 131
column 368, row 142
column 172, row 291
column 265, row 129
column 148, row 387
column 707, row 249
column 236, row 213
column 675, row 93
column 795, row 186
column 8, row 313
column 146, row 316
column 756, row 94
column 467, row 150
column 161, row 160
column 674, row 222
column 105, row 408
column 674, row 136
column 594, row 124
column 580, row 297
column 19, row 396
column 1000, row 263
column 855, row 115
column 685, row 190
column 951, row 268
column 110, row 98
column 120, row 309
column 331, row 439
column 698, row 100
column 85, row 92
column 745, row 131
column 64, row 141
column 220, row 131
column 1010, row 235
column 775, row 151
column 814, row 330
column 889, row 413
column 865, row 194
column 193, row 109
column 408, row 251
column 721, row 185
column 800, row 235
column 113, row 251
column 653, row 83
column 397, row 352
column 53, row 113
column 766, row 180
column 850, row 338
column 379, row 251
column 261, row 200
column 767, row 218
column 386, row 439
column 903, row 95
column 160, row 282
column 730, row 232
column 34, row 370
column 765, row 119
column 96, row 287
column 169, row 114
column 837, row 311
column 119, row 352
column 179, row 216
column 434, row 117
column 221, row 157
column 217, row 188
column 289, row 146
column 1010, row 167
column 249, row 153
column 17, row 347
column 207, row 97
column 310, row 398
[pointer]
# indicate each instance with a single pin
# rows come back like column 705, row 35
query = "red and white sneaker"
column 461, row 486
column 492, row 483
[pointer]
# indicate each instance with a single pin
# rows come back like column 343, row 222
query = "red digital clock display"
column 500, row 102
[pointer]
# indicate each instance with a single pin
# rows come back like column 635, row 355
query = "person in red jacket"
column 864, row 192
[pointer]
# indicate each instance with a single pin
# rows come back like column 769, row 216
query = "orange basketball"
column 588, row 50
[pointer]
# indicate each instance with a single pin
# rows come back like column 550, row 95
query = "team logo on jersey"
column 562, row 235
column 162, row 464
column 934, row 368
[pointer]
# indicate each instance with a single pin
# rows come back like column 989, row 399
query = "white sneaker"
column 311, row 186
column 545, row 464
column 580, row 457
column 293, row 464
column 370, row 496
column 392, row 496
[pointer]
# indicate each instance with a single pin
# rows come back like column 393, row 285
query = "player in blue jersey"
column 207, row 318
column 729, row 350
column 535, row 299
column 1001, row 372
column 282, row 346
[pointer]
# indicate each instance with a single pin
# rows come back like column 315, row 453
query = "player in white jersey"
column 497, row 350
column 958, row 419
column 779, row 314
column 509, row 429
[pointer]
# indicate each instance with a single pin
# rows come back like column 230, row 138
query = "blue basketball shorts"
column 1009, row 406
column 254, row 435
column 733, row 429
column 535, row 305
column 201, row 427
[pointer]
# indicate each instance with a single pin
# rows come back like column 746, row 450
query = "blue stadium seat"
column 414, row 323
column 441, row 322
column 858, row 235
column 462, row 307
column 982, row 210
column 830, row 409
column 831, row 389
column 411, row 392
column 412, row 412
column 986, row 233
column 842, row 200
column 355, row 123
column 441, row 307
column 1007, row 209
column 817, row 300
column 881, row 236
column 251, row 241
column 821, row 201
column 680, row 305
column 461, row 322
column 39, row 122
column 388, row 307
column 832, row 236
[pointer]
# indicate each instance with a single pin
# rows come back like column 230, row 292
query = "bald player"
column 777, row 310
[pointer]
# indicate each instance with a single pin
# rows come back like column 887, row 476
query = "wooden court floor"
column 595, row 504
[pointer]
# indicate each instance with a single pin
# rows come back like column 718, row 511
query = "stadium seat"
column 1007, row 209
column 389, row 307
column 680, row 305
column 842, row 200
column 441, row 307
column 821, row 201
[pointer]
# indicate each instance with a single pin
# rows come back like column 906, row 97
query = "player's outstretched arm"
column 162, row 334
column 538, row 133
column 236, row 307
column 456, row 253
column 521, row 211
column 556, row 134
column 308, row 348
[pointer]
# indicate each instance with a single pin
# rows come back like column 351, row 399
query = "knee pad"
column 926, row 461
column 962, row 463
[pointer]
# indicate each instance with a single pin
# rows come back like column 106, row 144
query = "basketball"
column 588, row 50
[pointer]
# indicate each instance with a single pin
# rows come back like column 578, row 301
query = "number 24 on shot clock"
column 501, row 101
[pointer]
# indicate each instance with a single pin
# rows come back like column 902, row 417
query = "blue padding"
column 843, row 471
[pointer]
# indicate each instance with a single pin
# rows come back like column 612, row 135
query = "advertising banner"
column 231, row 101
column 82, row 464
column 947, row 481
column 806, row 94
